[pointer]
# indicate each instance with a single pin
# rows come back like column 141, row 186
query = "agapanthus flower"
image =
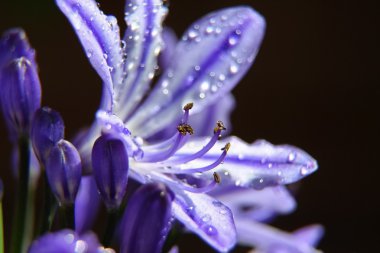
column 169, row 137
column 197, row 75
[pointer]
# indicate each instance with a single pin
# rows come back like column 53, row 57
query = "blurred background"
column 314, row 85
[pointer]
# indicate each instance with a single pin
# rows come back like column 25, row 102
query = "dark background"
column 314, row 85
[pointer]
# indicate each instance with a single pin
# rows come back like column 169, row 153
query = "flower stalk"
column 20, row 218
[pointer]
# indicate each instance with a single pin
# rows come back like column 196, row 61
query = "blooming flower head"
column 162, row 136
column 200, row 71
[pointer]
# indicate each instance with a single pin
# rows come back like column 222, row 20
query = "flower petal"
column 311, row 234
column 87, row 204
column 65, row 241
column 211, row 58
column 143, row 44
column 256, row 204
column 207, row 217
column 20, row 94
column 146, row 220
column 14, row 44
column 64, row 172
column 170, row 42
column 202, row 122
column 100, row 38
column 258, row 165
column 270, row 240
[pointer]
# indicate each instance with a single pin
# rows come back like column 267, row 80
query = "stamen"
column 201, row 169
column 217, row 178
column 185, row 129
column 226, row 147
column 159, row 155
column 180, row 160
column 185, row 116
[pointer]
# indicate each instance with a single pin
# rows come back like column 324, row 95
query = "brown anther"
column 227, row 147
column 185, row 129
column 217, row 178
column 188, row 106
column 219, row 126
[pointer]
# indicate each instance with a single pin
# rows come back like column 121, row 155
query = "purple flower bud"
column 14, row 44
column 66, row 241
column 64, row 170
column 20, row 94
column 146, row 220
column 110, row 168
column 47, row 129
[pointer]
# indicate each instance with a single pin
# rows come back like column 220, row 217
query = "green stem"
column 112, row 218
column 69, row 215
column 49, row 207
column 1, row 229
column 22, row 197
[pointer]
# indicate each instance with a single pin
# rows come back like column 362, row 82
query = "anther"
column 217, row 178
column 219, row 126
column 188, row 106
column 185, row 129
column 226, row 147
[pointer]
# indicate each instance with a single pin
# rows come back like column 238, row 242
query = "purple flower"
column 64, row 171
column 47, row 129
column 66, row 241
column 148, row 210
column 20, row 87
column 161, row 140
column 110, row 168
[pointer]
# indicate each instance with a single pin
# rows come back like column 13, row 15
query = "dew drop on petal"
column 291, row 157
column 211, row 230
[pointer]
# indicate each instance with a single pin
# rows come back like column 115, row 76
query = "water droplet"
column 270, row 165
column 291, row 157
column 123, row 45
column 232, row 40
column 192, row 34
column 165, row 91
column 89, row 53
column 206, row 218
column 205, row 86
column 202, row 95
column 210, row 230
column 209, row 29
column 105, row 56
column 234, row 69
column 197, row 68
column 304, row 171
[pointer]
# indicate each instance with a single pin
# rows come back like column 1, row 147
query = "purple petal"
column 206, row 217
column 47, row 129
column 87, row 205
column 268, row 239
column 256, row 204
column 143, row 44
column 110, row 168
column 146, row 220
column 100, row 38
column 211, row 58
column 14, row 44
column 65, row 241
column 170, row 42
column 203, row 122
column 64, row 171
column 20, row 94
column 311, row 234
column 258, row 165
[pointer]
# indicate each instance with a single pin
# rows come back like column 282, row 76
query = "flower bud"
column 146, row 220
column 20, row 95
column 64, row 171
column 47, row 129
column 66, row 241
column 14, row 44
column 110, row 168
